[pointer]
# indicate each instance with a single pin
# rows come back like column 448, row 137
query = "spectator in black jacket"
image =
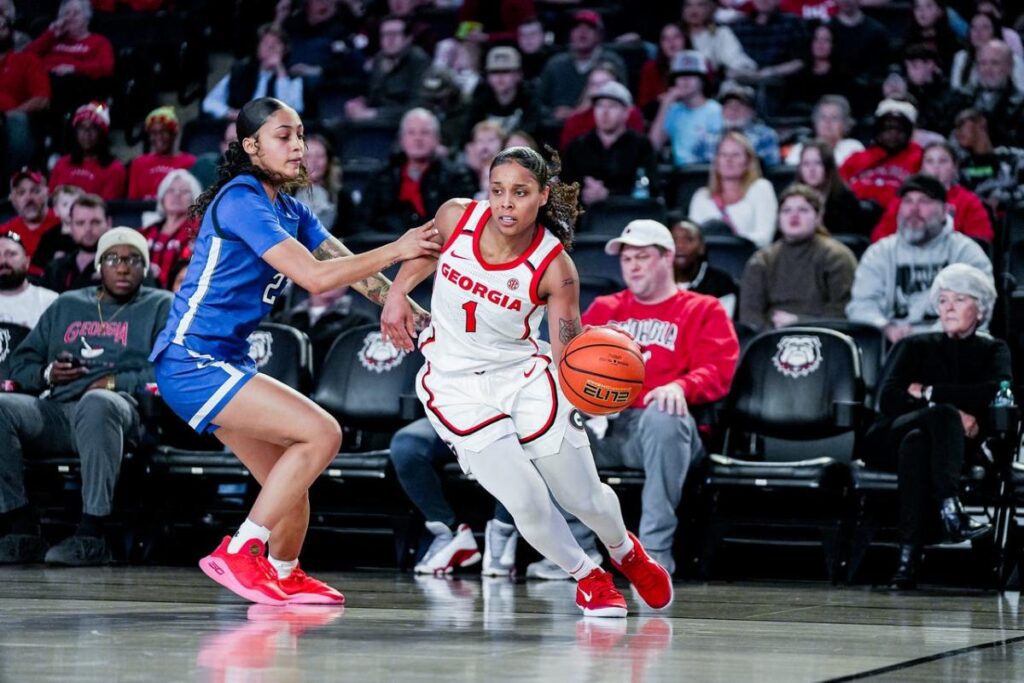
column 504, row 97
column 417, row 180
column 395, row 75
column 995, row 95
column 693, row 272
column 609, row 160
column 76, row 269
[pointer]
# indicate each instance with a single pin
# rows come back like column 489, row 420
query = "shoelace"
column 602, row 586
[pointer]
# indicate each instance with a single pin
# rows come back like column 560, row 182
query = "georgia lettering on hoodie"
column 117, row 331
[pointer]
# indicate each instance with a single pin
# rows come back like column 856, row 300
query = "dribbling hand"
column 417, row 242
column 397, row 322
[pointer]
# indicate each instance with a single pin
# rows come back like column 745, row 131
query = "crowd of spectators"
column 900, row 124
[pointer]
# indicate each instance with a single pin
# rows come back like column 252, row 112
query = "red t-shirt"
column 810, row 9
column 874, row 174
column 22, row 77
column 30, row 238
column 90, row 176
column 409, row 190
column 969, row 216
column 92, row 57
column 687, row 339
column 149, row 169
column 582, row 123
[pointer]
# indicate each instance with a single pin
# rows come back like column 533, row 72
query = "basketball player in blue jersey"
column 253, row 235
column 489, row 384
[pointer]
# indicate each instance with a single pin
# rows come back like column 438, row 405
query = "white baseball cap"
column 643, row 232
column 122, row 236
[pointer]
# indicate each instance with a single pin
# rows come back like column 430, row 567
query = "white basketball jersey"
column 485, row 316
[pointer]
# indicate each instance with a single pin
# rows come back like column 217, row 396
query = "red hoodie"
column 107, row 182
column 92, row 57
column 874, row 174
column 686, row 339
column 969, row 216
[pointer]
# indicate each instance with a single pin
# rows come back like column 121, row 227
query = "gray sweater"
column 120, row 345
column 810, row 279
column 894, row 278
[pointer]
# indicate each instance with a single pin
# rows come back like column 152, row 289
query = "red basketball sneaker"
column 303, row 589
column 597, row 596
column 652, row 582
column 246, row 573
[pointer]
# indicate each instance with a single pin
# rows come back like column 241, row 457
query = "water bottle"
column 642, row 188
column 1004, row 397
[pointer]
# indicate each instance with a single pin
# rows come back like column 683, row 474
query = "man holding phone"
column 86, row 358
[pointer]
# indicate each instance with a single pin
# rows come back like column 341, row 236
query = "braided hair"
column 237, row 161
column 560, row 213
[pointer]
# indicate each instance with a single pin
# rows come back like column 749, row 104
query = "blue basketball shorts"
column 197, row 386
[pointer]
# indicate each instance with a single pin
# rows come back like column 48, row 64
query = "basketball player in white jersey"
column 489, row 384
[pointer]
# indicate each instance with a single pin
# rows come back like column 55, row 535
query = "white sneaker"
column 448, row 550
column 500, row 541
column 547, row 570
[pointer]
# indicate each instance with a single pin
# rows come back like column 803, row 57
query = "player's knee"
column 329, row 437
column 587, row 507
column 407, row 449
column 97, row 405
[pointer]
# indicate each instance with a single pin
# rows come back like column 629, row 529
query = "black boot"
column 958, row 524
column 905, row 578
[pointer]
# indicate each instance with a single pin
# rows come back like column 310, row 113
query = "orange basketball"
column 601, row 371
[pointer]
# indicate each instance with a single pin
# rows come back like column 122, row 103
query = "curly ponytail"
column 559, row 215
column 237, row 161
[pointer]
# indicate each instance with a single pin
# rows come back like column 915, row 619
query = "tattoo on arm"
column 375, row 288
column 568, row 329
column 568, row 282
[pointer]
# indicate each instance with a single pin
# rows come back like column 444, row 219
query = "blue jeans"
column 417, row 453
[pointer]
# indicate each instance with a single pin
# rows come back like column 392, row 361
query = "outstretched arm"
column 375, row 287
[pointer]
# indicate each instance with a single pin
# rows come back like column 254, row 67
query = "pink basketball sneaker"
column 303, row 589
column 246, row 573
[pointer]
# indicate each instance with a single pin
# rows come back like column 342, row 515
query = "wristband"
column 46, row 375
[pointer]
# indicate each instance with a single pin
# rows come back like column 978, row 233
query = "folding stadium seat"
column 591, row 261
column 7, row 211
column 729, row 252
column 789, row 435
column 369, row 387
column 781, row 177
column 609, row 217
column 128, row 212
column 873, row 347
column 683, row 183
column 858, row 244
column 11, row 335
column 367, row 140
column 202, row 136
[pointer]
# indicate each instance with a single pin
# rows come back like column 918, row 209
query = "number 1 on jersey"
column 470, row 308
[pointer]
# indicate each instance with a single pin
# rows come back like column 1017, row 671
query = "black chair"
column 608, row 218
column 683, row 183
column 357, row 173
column 202, row 136
column 729, row 252
column 7, row 211
column 591, row 260
column 369, row 386
column 789, row 435
column 284, row 353
column 367, row 140
column 128, row 212
column 873, row 345
column 858, row 244
column 11, row 335
column 781, row 177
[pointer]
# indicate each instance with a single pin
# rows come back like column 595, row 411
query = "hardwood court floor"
column 173, row 624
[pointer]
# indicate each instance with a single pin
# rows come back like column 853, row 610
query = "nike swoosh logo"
column 454, row 255
column 586, row 596
column 527, row 374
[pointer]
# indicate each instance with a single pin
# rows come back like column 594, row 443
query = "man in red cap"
column 34, row 218
column 149, row 169
column 565, row 75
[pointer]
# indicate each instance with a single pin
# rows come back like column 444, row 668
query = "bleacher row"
column 784, row 468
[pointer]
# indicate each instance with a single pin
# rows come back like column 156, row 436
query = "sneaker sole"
column 314, row 599
column 222, row 575
column 605, row 612
column 492, row 571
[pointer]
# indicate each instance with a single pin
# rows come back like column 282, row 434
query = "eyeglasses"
column 113, row 261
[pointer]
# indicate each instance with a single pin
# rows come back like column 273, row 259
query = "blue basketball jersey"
column 229, row 288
